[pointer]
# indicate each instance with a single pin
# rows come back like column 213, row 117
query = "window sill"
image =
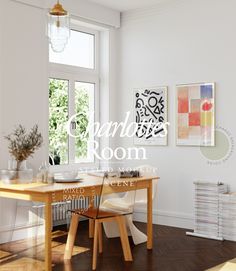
column 80, row 167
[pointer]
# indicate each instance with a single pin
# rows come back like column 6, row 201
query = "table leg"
column 149, row 217
column 91, row 228
column 91, row 221
column 48, row 234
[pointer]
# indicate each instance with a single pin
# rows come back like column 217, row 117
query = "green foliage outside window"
column 58, row 117
column 82, row 120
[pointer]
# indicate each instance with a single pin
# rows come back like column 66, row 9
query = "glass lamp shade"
column 58, row 31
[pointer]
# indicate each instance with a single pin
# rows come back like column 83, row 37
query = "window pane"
column 84, row 107
column 58, row 116
column 78, row 52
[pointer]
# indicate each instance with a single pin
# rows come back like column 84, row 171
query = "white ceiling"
column 124, row 5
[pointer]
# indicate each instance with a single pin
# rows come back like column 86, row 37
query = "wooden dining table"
column 88, row 187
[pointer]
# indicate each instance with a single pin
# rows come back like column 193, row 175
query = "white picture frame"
column 195, row 99
column 151, row 104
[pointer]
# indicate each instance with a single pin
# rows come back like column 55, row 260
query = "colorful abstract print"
column 195, row 116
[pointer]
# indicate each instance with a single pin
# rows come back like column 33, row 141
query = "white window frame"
column 79, row 74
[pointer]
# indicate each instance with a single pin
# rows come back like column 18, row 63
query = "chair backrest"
column 112, row 191
column 141, row 195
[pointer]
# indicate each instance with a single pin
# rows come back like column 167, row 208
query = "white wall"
column 174, row 43
column 24, row 85
column 24, row 79
column 24, row 73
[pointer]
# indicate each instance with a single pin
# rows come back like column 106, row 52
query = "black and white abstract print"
column 150, row 114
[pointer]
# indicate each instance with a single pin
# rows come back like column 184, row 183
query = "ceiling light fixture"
column 58, row 27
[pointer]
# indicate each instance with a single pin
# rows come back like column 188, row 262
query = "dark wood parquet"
column 173, row 251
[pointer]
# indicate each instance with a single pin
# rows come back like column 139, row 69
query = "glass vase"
column 14, row 176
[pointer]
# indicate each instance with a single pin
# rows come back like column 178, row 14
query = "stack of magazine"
column 207, row 210
column 228, row 216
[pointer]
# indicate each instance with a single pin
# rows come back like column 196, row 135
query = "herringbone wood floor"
column 173, row 251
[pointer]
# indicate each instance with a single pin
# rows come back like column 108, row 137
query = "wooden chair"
column 97, row 215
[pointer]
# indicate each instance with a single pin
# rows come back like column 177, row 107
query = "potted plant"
column 23, row 145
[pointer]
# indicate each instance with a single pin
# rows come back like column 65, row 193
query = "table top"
column 86, row 181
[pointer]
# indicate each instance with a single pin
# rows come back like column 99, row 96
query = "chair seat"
column 94, row 213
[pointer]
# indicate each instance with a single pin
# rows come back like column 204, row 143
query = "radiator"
column 60, row 210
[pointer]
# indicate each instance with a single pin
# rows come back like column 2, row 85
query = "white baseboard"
column 172, row 219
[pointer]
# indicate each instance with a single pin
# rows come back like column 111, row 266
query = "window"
column 58, row 116
column 73, row 95
column 84, row 106
column 79, row 51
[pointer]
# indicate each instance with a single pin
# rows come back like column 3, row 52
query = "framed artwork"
column 195, row 121
column 151, row 116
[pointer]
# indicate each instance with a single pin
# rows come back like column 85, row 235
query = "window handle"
column 73, row 125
